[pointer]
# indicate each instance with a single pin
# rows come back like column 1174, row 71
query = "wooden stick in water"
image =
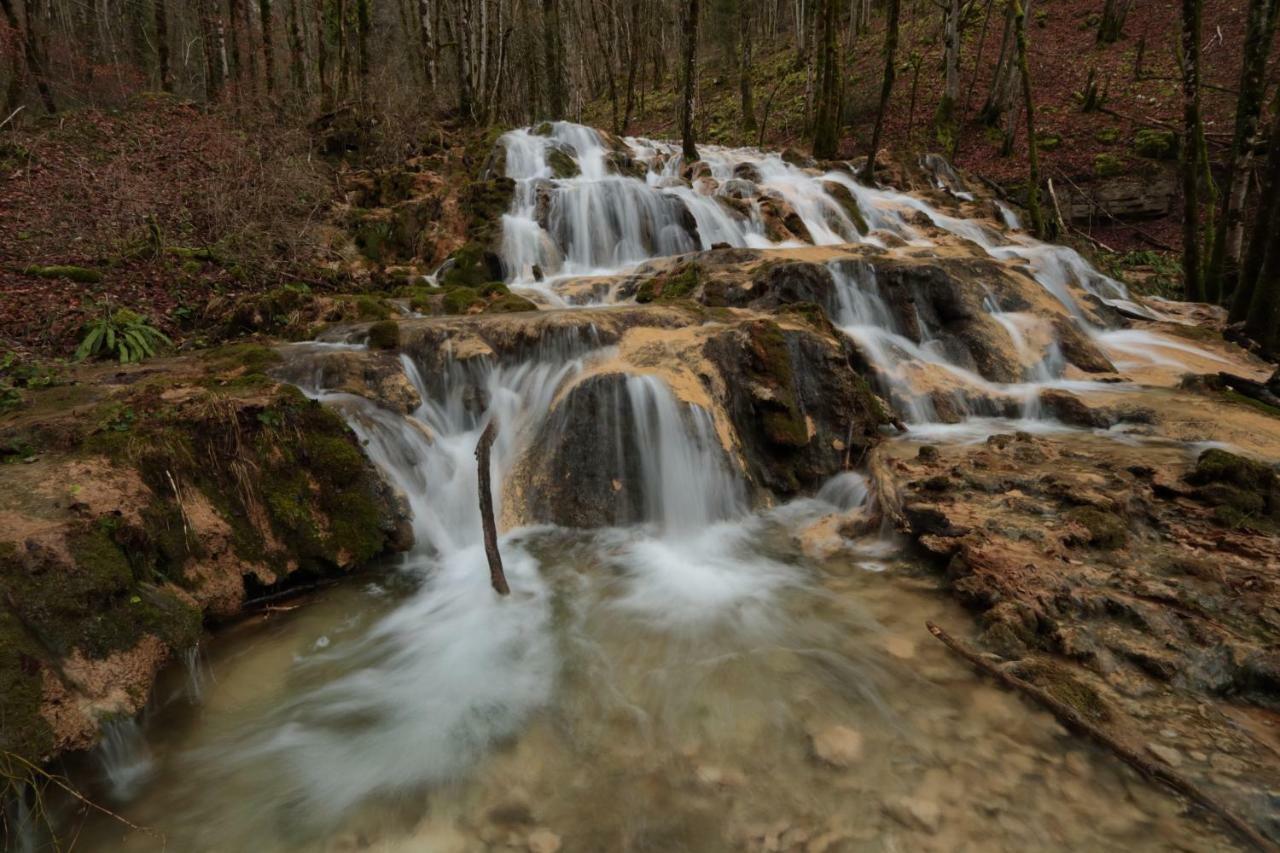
column 496, row 576
column 1072, row 719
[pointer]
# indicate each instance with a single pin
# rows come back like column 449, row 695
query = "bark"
column 744, row 68
column 1112, row 25
column 1193, row 289
column 689, row 75
column 297, row 69
column 427, row 36
column 362, row 45
column 1229, row 235
column 945, row 120
column 1033, row 154
column 826, row 124
column 497, row 577
column 886, row 88
column 268, row 45
column 31, row 54
column 211, row 41
column 1257, row 298
column 162, row 45
column 323, row 69
column 551, row 46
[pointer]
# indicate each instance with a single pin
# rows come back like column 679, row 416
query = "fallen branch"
column 885, row 488
column 1071, row 718
column 496, row 576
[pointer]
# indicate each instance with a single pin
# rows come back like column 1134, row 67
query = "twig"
column 496, row 576
column 11, row 115
column 1154, row 241
column 57, row 780
column 1072, row 719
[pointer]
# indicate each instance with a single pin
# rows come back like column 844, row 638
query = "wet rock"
column 1073, row 411
column 1167, row 754
column 543, row 841
column 837, row 746
column 740, row 189
column 747, row 172
column 915, row 813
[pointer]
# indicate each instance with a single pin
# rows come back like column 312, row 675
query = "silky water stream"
column 698, row 681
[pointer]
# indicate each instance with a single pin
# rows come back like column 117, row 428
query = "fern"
column 121, row 334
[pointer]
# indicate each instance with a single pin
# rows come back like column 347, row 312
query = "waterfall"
column 124, row 757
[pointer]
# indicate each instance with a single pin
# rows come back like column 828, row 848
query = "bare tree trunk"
column 1193, row 285
column 324, row 24
column 945, row 121
column 297, row 69
column 362, row 46
column 1256, row 301
column 214, row 55
column 1033, row 182
column 886, row 87
column 1229, row 236
column 1112, row 25
column 689, row 69
column 427, row 35
column 497, row 577
column 31, row 53
column 268, row 44
column 551, row 46
column 162, row 45
column 744, row 67
column 826, row 124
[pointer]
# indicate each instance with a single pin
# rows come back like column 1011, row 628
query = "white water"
column 651, row 617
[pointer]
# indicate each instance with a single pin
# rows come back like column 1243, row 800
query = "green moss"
column 1237, row 397
column 469, row 269
column 384, row 335
column 510, row 304
column 1062, row 685
column 25, row 731
column 1048, row 141
column 1107, row 165
column 543, row 129
column 372, row 307
column 494, row 288
column 1106, row 529
column 1107, row 135
column 1219, row 466
column 84, row 275
column 780, row 416
column 1156, row 144
column 562, row 165
column 484, row 203
column 680, row 283
column 460, row 300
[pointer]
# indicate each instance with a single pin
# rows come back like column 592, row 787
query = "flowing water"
column 704, row 679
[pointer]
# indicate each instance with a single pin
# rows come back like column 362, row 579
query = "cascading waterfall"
column 125, row 757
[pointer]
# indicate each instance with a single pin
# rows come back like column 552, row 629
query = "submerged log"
column 1072, row 719
column 497, row 576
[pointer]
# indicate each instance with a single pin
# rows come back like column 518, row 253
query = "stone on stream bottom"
column 915, row 813
column 543, row 841
column 837, row 746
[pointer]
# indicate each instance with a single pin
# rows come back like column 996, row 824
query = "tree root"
column 1072, row 719
column 497, row 576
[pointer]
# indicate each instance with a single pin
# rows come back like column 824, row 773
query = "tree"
column 162, row 45
column 1228, row 237
column 1257, row 297
column 31, row 53
column 744, row 67
column 1111, row 26
column 689, row 74
column 1193, row 284
column 826, row 123
column 268, row 45
column 945, row 120
column 886, row 87
column 554, row 51
column 1033, row 153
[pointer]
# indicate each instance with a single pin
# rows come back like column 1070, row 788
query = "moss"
column 384, row 335
column 1107, row 135
column 562, row 164
column 1251, row 402
column 372, row 238
column 848, row 203
column 460, row 300
column 494, row 288
column 1156, row 144
column 252, row 357
column 471, row 267
column 680, row 283
column 1106, row 529
column 1048, row 141
column 25, row 731
column 1107, row 165
column 84, row 275
column 1062, row 685
column 1219, row 466
column 780, row 416
column 372, row 307
column 811, row 313
column 543, row 129
column 484, row 203
column 510, row 304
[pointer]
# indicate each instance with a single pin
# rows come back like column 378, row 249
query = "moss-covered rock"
column 1107, row 165
column 384, row 335
column 562, row 163
column 679, row 283
column 462, row 300
column 1105, row 530
column 510, row 304
column 1156, row 144
column 84, row 275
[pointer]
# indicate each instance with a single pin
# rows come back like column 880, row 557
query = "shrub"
column 121, row 334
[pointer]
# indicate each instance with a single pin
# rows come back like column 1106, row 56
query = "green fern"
column 121, row 334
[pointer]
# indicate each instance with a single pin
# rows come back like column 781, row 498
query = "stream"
column 712, row 677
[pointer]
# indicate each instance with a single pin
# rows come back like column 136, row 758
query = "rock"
column 837, row 746
column 1073, row 411
column 543, row 841
column 915, row 813
column 1167, row 754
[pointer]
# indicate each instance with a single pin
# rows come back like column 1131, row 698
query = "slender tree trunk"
column 214, row 57
column 297, row 69
column 945, row 120
column 427, row 35
column 689, row 75
column 326, row 26
column 1112, row 25
column 31, row 53
column 826, row 125
column 1229, row 234
column 362, row 46
column 1193, row 285
column 1253, row 303
column 162, row 45
column 1033, row 153
column 268, row 44
column 744, row 67
column 554, row 58
column 886, row 87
